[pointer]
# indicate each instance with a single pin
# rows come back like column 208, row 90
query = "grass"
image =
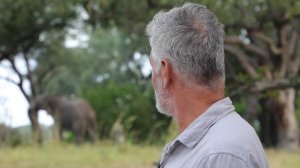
column 105, row 155
column 283, row 159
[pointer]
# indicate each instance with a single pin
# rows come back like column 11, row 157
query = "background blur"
column 98, row 50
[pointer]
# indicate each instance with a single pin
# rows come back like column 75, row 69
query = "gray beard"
column 160, row 106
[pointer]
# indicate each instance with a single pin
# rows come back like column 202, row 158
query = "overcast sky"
column 13, row 105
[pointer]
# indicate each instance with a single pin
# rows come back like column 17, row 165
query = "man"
column 187, row 57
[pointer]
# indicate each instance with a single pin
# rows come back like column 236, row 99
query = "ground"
column 106, row 155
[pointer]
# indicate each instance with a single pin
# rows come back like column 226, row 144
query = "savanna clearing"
column 106, row 155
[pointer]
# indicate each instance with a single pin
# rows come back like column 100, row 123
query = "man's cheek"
column 153, row 79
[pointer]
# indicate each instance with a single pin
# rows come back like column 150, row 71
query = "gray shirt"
column 219, row 138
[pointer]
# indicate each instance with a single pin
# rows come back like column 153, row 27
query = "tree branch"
column 239, row 26
column 9, row 80
column 294, row 66
column 20, row 83
column 25, row 55
column 264, row 85
column 261, row 86
column 297, row 57
column 243, row 59
column 285, row 56
column 266, row 39
column 263, row 55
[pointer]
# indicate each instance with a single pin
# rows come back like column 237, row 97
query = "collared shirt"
column 219, row 138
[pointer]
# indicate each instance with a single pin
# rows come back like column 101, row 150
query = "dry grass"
column 69, row 156
column 283, row 159
column 106, row 155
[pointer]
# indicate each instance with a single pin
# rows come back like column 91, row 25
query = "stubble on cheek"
column 161, row 104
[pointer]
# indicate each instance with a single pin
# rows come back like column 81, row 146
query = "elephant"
column 75, row 115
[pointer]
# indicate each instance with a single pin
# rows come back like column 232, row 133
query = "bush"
column 135, row 108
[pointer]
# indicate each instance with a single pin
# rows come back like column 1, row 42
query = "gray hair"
column 191, row 38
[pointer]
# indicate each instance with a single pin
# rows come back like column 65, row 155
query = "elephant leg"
column 91, row 135
column 79, row 133
column 91, row 130
column 78, row 139
column 33, row 116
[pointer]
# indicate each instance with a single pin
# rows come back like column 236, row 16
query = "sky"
column 13, row 105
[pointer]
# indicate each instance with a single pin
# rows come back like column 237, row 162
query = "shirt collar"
column 198, row 128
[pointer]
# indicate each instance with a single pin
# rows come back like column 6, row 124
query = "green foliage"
column 172, row 131
column 111, row 53
column 249, row 12
column 22, row 22
column 108, row 55
column 134, row 106
column 104, row 70
column 240, row 106
column 129, row 15
column 56, row 64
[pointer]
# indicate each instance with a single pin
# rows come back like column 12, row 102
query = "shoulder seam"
column 226, row 153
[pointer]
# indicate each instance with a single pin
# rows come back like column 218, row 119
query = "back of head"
column 191, row 38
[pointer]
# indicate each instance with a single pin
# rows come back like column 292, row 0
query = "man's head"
column 188, row 39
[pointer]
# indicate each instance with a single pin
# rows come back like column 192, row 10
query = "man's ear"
column 166, row 73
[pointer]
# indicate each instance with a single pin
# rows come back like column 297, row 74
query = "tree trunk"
column 278, row 120
column 33, row 116
column 268, row 129
column 57, row 126
column 288, row 131
column 252, row 107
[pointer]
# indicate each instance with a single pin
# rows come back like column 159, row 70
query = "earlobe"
column 166, row 73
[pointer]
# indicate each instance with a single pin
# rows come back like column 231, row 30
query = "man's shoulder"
column 232, row 128
column 232, row 136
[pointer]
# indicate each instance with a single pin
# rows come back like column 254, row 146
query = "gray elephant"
column 75, row 115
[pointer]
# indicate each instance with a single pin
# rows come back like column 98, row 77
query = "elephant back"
column 77, row 112
column 84, row 108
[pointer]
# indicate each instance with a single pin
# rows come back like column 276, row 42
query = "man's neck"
column 192, row 102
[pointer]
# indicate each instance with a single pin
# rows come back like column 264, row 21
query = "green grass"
column 105, row 155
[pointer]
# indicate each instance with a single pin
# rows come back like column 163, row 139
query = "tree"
column 118, row 89
column 262, row 48
column 265, row 40
column 22, row 25
column 262, row 35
